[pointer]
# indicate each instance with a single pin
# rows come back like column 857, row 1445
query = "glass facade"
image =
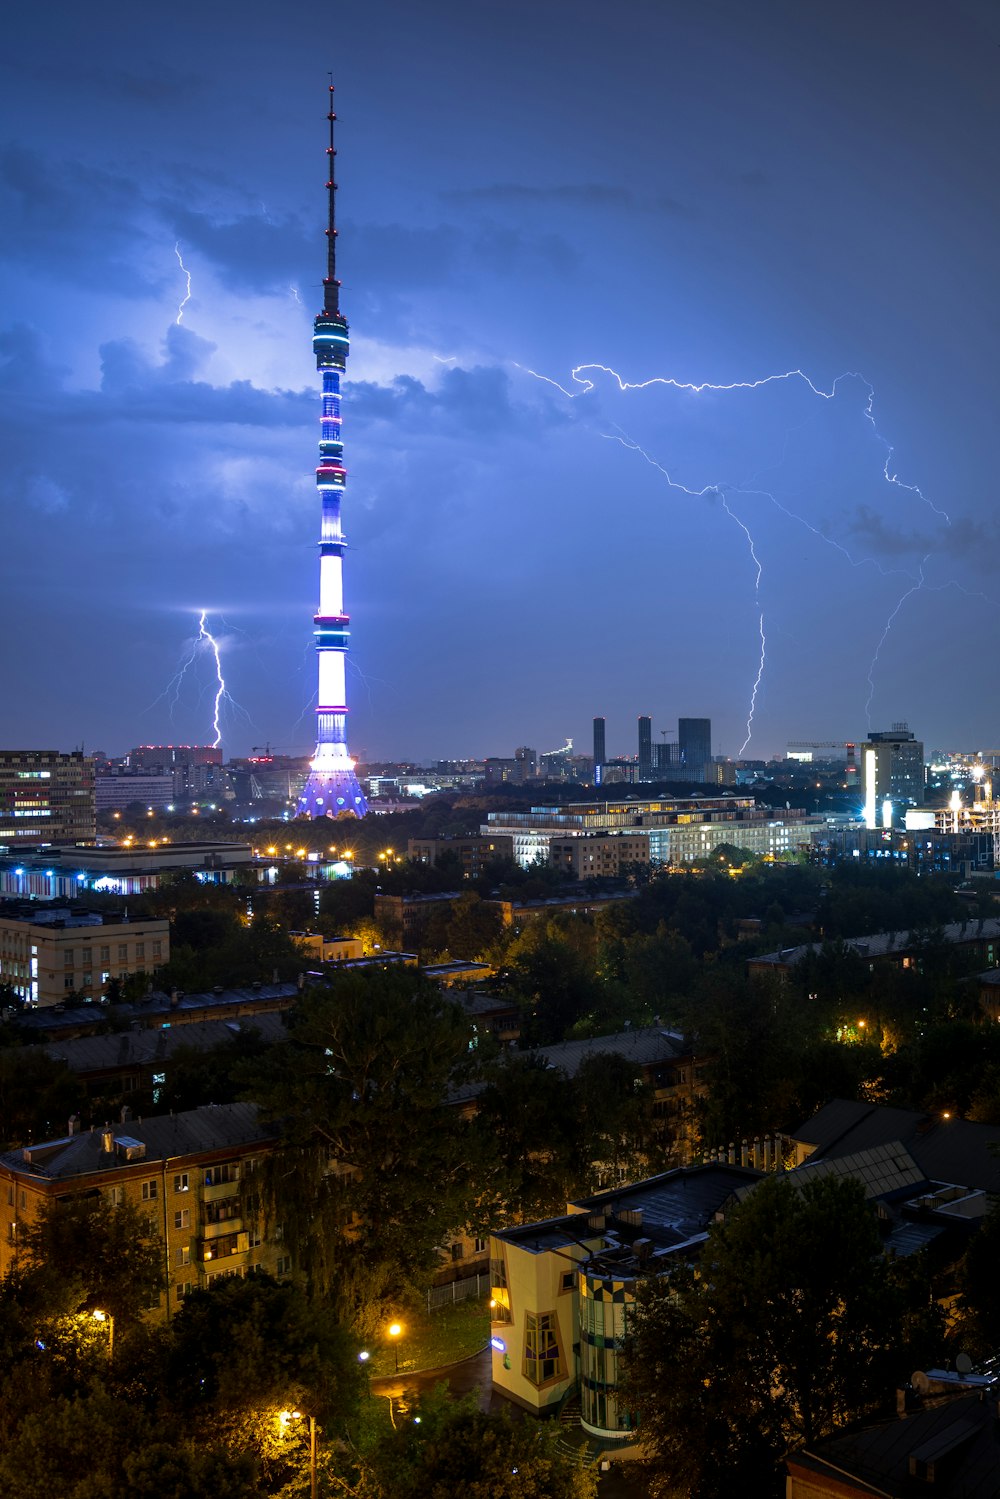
column 603, row 1312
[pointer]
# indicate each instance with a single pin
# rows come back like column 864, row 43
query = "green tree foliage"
column 96, row 1255
column 978, row 1320
column 781, row 1335
column 446, row 1448
column 375, row 1170
column 37, row 1095
column 550, row 967
column 528, row 1121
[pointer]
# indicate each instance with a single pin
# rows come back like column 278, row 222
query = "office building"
column 474, row 853
column 332, row 788
column 45, row 797
column 114, row 790
column 892, row 763
column 677, row 830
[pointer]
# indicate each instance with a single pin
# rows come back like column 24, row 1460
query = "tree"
column 99, row 1256
column 243, row 1347
column 452, row 1448
column 780, row 1336
column 374, row 1168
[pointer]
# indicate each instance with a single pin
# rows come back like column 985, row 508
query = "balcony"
column 225, row 1249
column 220, row 1191
column 220, row 1230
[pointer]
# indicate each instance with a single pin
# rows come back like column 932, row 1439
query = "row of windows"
column 86, row 953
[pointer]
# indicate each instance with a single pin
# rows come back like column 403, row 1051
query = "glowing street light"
column 107, row 1317
column 395, row 1332
column 284, row 1417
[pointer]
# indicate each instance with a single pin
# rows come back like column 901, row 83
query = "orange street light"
column 395, row 1332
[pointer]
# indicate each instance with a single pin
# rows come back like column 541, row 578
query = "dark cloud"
column 603, row 195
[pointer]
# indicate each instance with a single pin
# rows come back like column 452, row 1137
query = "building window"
column 105, row 955
column 184, row 1288
column 229, row 1171
column 122, row 952
column 256, row 1238
column 283, row 1266
column 222, row 1212
column 481, row 1246
column 182, row 1218
column 157, row 951
column 24, row 1201
column 458, row 1250
column 67, row 957
column 183, row 1255
column 181, row 1182
column 542, row 1360
column 149, row 1191
column 10, row 1194
column 569, row 1280
column 140, row 950
column 116, row 1196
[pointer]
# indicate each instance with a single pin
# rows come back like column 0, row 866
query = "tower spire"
column 331, row 286
column 332, row 787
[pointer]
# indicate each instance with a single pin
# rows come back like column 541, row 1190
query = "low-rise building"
column 328, row 949
column 183, row 1170
column 65, row 871
column 979, row 940
column 48, row 956
column 599, row 855
column 474, row 853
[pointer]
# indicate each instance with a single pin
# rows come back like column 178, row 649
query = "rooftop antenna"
column 331, row 286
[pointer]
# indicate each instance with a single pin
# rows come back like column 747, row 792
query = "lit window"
column 542, row 1360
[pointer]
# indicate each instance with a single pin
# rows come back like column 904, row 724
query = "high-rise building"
column 645, row 747
column 46, row 797
column 892, row 763
column 694, row 745
column 332, row 787
column 600, row 750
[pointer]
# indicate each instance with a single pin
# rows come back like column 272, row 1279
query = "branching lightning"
column 582, row 385
column 294, row 291
column 204, row 640
column 187, row 295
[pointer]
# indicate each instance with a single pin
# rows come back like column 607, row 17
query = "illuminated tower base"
column 329, row 793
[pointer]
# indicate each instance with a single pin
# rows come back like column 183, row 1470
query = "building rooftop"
column 883, row 944
column 946, row 1150
column 645, row 1046
column 144, row 1047
column 215, row 1127
column 951, row 1449
column 665, row 1211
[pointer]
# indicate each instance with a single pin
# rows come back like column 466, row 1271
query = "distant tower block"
column 600, row 750
column 645, row 748
column 332, row 787
column 694, row 743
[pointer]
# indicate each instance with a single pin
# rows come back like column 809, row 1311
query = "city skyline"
column 712, row 199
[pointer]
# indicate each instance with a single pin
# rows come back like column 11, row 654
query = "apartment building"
column 184, row 1171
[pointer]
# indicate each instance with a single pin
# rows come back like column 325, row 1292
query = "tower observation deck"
column 332, row 788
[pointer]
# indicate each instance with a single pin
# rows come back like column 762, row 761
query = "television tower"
column 332, row 787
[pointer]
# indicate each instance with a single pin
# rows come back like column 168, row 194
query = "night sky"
column 716, row 191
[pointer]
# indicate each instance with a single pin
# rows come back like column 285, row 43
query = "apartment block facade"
column 184, row 1172
column 49, row 956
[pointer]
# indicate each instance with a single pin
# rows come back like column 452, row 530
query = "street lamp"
column 107, row 1317
column 284, row 1417
column 395, row 1331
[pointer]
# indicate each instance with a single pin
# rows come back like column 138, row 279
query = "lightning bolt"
column 760, row 611
column 917, row 586
column 582, row 385
column 202, row 641
column 187, row 295
column 295, row 293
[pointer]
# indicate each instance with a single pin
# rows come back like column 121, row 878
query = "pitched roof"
column 959, row 1438
column 946, row 1150
column 166, row 1138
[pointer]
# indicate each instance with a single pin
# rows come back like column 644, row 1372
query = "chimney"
column 107, row 1141
column 74, row 1124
